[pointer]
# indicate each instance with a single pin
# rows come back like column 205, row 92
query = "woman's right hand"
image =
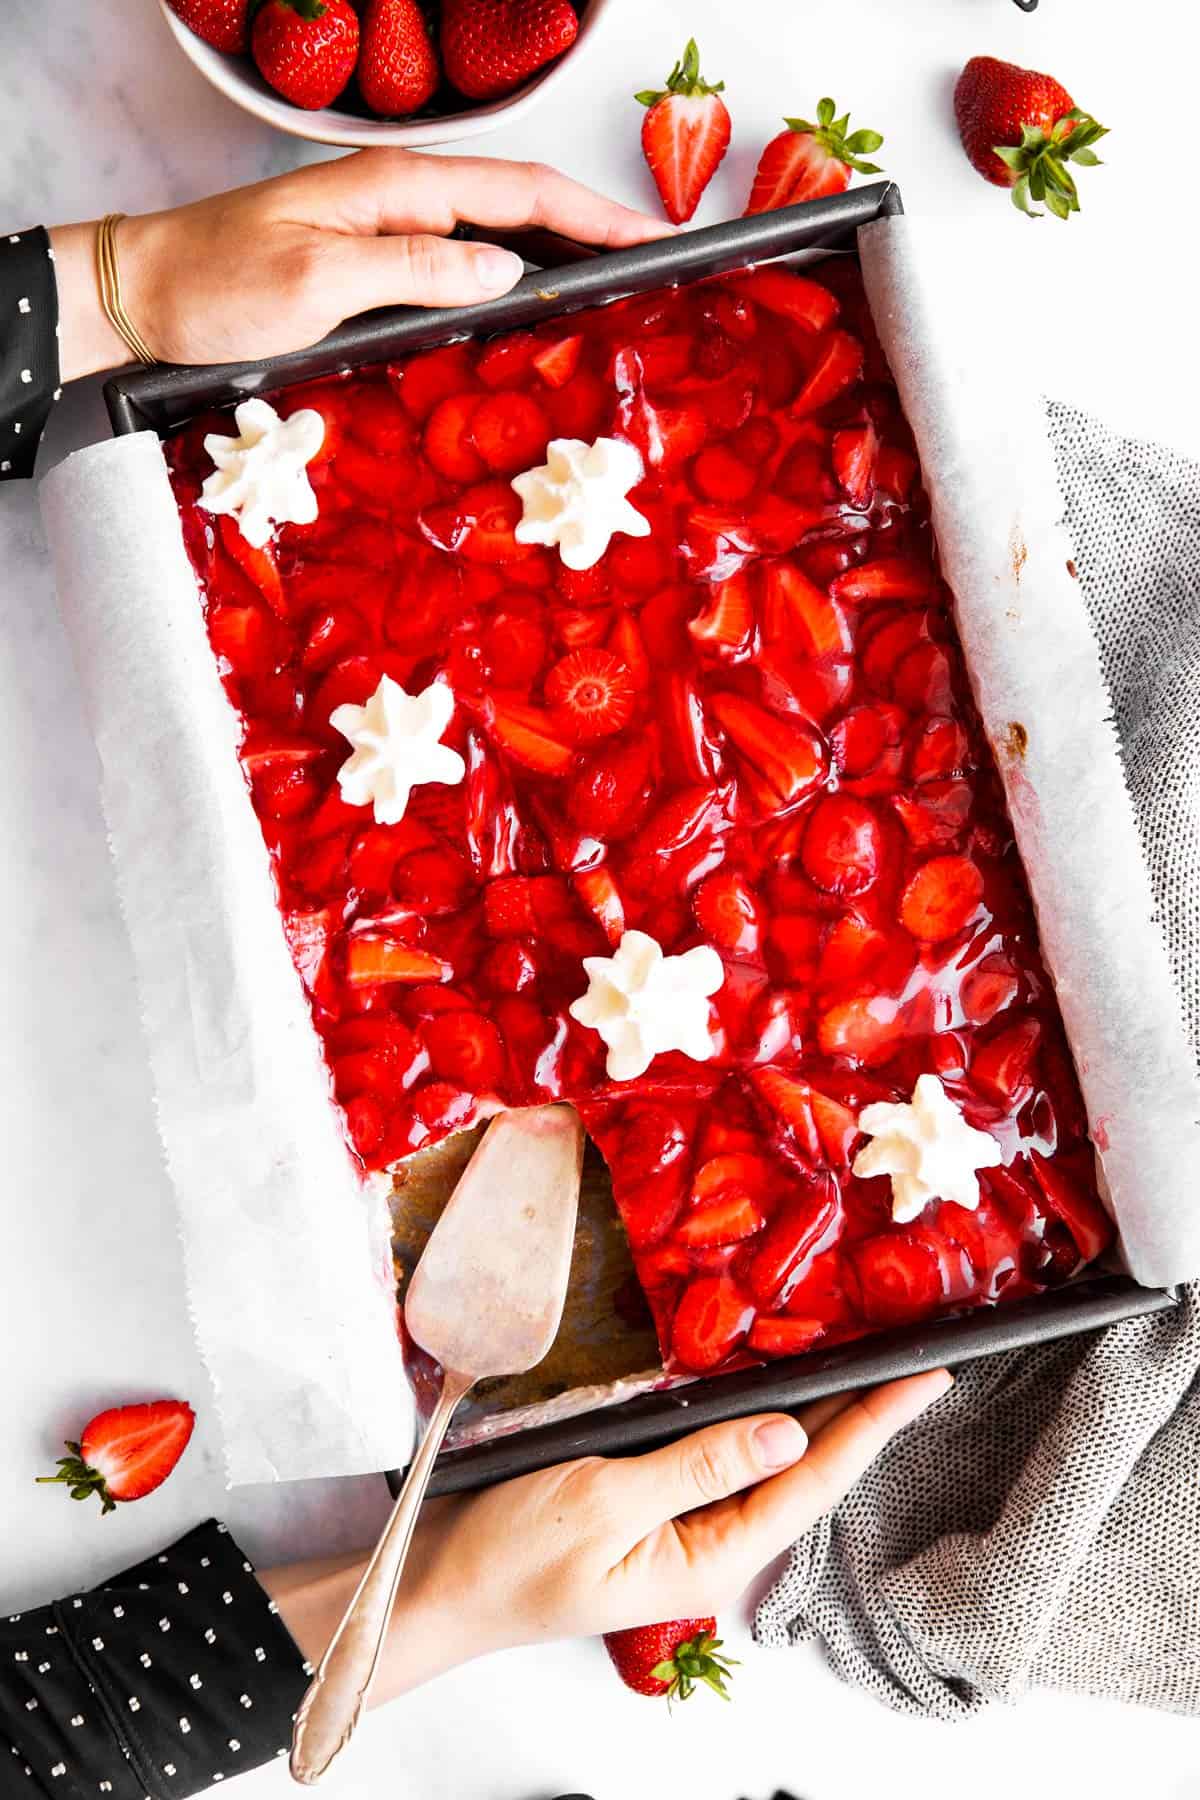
column 603, row 1544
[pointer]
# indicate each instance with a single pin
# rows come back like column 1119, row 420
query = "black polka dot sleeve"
column 171, row 1678
column 29, row 372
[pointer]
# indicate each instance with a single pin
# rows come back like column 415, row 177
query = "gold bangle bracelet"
column 109, row 275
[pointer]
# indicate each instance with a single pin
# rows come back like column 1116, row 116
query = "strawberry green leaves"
column 830, row 133
column 1040, row 162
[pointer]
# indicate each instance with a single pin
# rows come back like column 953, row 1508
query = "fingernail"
column 497, row 270
column 780, row 1442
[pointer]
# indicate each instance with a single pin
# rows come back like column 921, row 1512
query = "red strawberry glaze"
column 751, row 729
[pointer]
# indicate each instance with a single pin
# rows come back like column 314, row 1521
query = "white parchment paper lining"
column 286, row 1251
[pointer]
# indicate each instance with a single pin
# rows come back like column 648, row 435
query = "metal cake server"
column 485, row 1299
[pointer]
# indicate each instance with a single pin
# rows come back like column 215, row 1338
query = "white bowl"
column 238, row 79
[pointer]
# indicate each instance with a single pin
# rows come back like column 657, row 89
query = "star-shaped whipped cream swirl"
column 577, row 500
column 927, row 1148
column 261, row 476
column 397, row 747
column 643, row 1003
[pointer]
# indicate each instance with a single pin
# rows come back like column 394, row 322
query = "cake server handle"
column 332, row 1707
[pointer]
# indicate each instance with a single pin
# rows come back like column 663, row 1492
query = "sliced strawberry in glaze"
column 990, row 987
column 729, row 1219
column 433, row 880
column 626, row 641
column 711, row 1319
column 449, row 438
column 790, row 1099
column 509, row 431
column 941, row 899
column 726, row 624
column 854, row 452
column 431, row 376
column 1073, row 1206
column 888, row 578
column 923, row 681
column 366, row 1123
column 504, row 360
column 805, row 1225
column 259, row 562
column 786, row 756
column 602, row 898
column 838, row 365
column 938, row 749
column 797, row 612
column 804, row 302
column 610, row 790
column 728, row 912
column 895, row 471
column 245, row 638
column 558, row 360
column 842, row 850
column 936, row 819
column 899, row 1276
column 718, row 473
column 371, row 959
column 1001, row 1067
column 837, row 1128
column 379, row 421
column 465, row 1048
column 591, row 694
column 784, row 1336
column 865, row 1029
column 478, row 525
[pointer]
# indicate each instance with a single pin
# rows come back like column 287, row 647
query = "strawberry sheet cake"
column 611, row 741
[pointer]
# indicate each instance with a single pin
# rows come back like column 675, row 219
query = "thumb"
column 710, row 1465
column 420, row 270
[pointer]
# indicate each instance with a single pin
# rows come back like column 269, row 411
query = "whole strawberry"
column 126, row 1452
column 489, row 47
column 306, row 49
column 685, row 134
column 398, row 68
column 807, row 161
column 225, row 24
column 1020, row 130
column 670, row 1659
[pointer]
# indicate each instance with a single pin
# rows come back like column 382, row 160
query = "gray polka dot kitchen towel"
column 1041, row 1527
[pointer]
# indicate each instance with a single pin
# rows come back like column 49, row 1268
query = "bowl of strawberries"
column 362, row 72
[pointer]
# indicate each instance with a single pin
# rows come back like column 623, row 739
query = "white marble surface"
column 102, row 114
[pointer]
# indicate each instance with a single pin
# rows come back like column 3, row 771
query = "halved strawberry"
column 854, row 451
column 899, row 1277
column 712, row 1318
column 798, row 613
column 784, row 1336
column 805, row 1225
column 1001, row 1066
column 371, row 959
column 509, row 431
column 558, row 360
column 728, row 912
column 936, row 819
column 940, row 748
column 465, row 1048
column 887, row 578
column 807, row 303
column 942, row 898
column 842, row 850
column 591, row 694
column 860, row 737
column 449, row 438
column 503, row 361
column 790, row 1098
column 726, row 623
column 608, row 794
column 726, row 1220
column 684, row 134
column 479, row 525
column 433, row 881
column 126, row 1452
column 808, row 161
column 787, row 757
column 719, row 474
column 837, row 366
column 1073, row 1206
column 432, row 376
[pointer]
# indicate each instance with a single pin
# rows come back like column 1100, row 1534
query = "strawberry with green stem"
column 670, row 1659
column 1020, row 130
column 810, row 160
column 126, row 1452
column 685, row 134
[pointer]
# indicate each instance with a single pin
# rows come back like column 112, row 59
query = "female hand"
column 600, row 1545
column 274, row 267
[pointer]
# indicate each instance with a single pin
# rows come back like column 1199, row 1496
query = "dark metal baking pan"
column 159, row 399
